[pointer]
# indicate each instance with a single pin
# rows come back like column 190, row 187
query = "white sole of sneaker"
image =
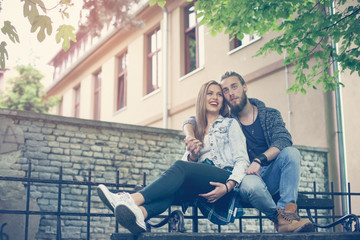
column 104, row 195
column 126, row 218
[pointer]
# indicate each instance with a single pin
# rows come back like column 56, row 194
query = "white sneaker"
column 126, row 212
column 130, row 216
column 109, row 199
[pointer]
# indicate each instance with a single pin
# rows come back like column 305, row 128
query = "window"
column 154, row 61
column 77, row 101
column 191, row 39
column 60, row 107
column 97, row 95
column 121, row 81
column 235, row 42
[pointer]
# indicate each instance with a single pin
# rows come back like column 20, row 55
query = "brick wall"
column 79, row 145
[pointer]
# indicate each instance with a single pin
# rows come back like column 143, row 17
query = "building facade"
column 150, row 75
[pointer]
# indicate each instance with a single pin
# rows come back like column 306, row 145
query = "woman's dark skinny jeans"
column 183, row 181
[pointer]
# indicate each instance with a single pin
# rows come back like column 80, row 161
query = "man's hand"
column 193, row 145
column 254, row 169
column 216, row 194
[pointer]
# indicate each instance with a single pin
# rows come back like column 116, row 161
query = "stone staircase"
column 238, row 236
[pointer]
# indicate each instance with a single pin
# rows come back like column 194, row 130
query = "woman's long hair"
column 201, row 120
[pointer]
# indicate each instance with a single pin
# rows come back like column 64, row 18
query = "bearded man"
column 275, row 164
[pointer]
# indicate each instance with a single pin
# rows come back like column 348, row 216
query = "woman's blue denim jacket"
column 227, row 147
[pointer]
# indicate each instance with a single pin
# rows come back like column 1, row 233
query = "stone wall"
column 79, row 145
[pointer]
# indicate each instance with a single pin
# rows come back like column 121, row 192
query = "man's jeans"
column 282, row 176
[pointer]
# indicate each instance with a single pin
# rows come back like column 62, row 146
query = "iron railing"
column 29, row 181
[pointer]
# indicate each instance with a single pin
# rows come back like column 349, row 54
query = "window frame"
column 150, row 56
column 235, row 44
column 121, row 100
column 188, row 31
column 60, row 106
column 77, row 101
column 97, row 79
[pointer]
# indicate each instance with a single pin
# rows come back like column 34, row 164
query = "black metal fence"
column 28, row 181
column 318, row 206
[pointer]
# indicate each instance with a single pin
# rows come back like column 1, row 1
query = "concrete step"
column 237, row 236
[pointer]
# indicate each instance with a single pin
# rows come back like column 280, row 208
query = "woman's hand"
column 254, row 169
column 216, row 194
column 193, row 145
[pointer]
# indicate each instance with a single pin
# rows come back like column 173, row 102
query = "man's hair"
column 235, row 74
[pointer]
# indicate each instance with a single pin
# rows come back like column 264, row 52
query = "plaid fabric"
column 220, row 214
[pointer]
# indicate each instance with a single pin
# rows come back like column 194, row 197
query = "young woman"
column 209, row 179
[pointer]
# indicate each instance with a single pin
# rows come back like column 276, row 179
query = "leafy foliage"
column 97, row 14
column 11, row 32
column 66, row 32
column 307, row 29
column 26, row 92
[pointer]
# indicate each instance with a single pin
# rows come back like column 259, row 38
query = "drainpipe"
column 340, row 128
column 165, row 69
column 287, row 95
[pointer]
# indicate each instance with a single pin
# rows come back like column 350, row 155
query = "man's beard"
column 237, row 108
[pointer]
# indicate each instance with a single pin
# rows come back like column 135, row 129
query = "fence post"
column 58, row 229
column 315, row 196
column 88, row 206
column 332, row 198
column 117, row 189
column 27, row 201
column 349, row 198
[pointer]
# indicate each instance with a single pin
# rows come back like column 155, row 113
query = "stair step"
column 237, row 236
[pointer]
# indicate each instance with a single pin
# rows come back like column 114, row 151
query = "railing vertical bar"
column 117, row 188
column 58, row 229
column 148, row 227
column 144, row 179
column 260, row 222
column 88, row 206
column 349, row 192
column 195, row 218
column 333, row 199
column 315, row 196
column 169, row 212
column 27, row 201
column 219, row 228
column 240, row 225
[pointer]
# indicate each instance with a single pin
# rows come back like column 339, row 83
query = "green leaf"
column 11, row 31
column 161, row 3
column 30, row 11
column 66, row 2
column 3, row 53
column 152, row 2
column 66, row 32
column 44, row 23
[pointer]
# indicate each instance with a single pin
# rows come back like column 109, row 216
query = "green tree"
column 308, row 29
column 25, row 92
column 97, row 13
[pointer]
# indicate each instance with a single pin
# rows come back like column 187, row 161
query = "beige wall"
column 310, row 117
column 351, row 99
